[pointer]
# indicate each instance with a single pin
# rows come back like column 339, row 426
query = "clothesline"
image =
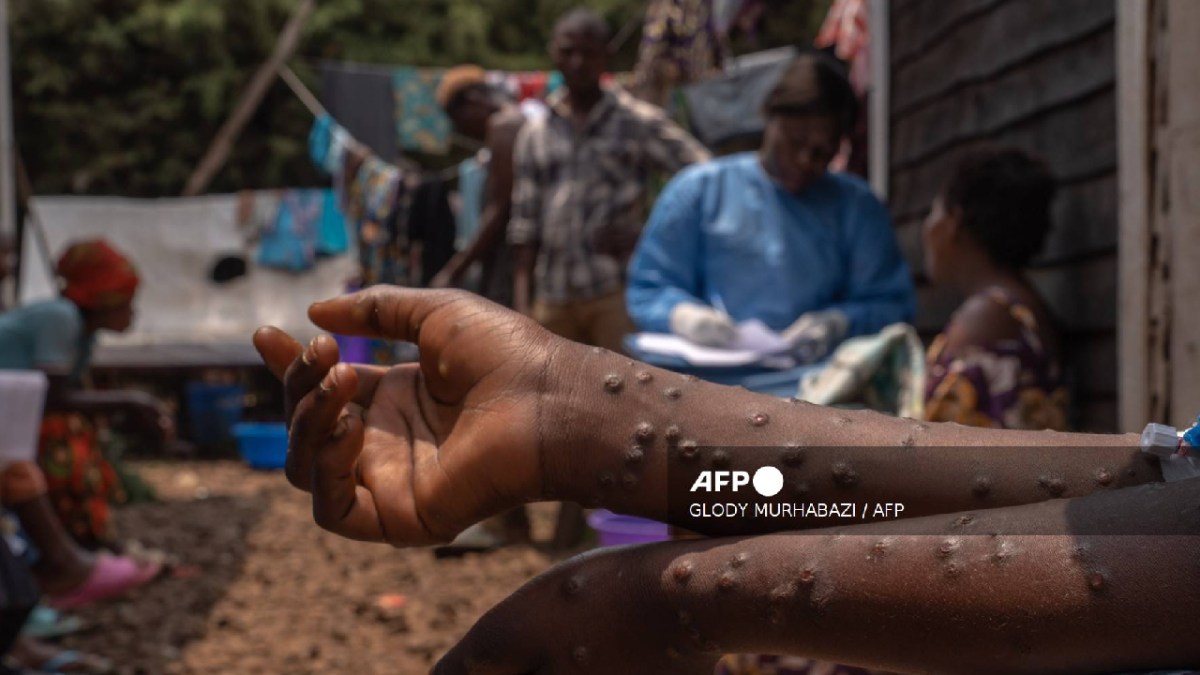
column 302, row 92
column 314, row 106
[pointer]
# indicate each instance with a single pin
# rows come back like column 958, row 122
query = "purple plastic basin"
column 353, row 349
column 616, row 530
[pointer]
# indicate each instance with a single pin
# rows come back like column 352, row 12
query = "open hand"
column 415, row 453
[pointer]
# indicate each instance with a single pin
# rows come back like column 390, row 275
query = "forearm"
column 490, row 235
column 971, row 601
column 620, row 428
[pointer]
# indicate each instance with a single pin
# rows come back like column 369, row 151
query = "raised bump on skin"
column 579, row 654
column 644, row 432
column 792, row 455
column 1053, row 485
column 672, row 434
column 720, row 459
column 844, row 474
column 948, row 547
column 682, row 571
column 613, row 383
column 726, row 581
column 635, row 455
column 573, row 585
column 981, row 486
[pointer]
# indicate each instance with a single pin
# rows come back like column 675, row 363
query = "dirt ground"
column 263, row 590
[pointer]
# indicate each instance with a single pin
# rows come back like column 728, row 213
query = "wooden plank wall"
column 1039, row 75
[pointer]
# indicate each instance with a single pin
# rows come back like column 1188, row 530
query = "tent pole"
column 222, row 144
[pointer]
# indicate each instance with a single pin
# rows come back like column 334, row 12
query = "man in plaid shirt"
column 580, row 187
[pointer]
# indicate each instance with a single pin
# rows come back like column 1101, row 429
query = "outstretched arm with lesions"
column 951, row 599
column 500, row 412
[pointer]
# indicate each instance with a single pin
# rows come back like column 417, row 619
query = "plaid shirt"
column 579, row 194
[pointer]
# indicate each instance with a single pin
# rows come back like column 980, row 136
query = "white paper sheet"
column 22, row 398
column 755, row 344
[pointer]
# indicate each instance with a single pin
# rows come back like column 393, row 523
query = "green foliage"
column 124, row 96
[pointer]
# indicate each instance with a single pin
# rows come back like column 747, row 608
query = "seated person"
column 57, row 336
column 997, row 364
column 773, row 235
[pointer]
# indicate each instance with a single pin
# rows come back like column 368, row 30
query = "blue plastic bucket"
column 213, row 409
column 263, row 444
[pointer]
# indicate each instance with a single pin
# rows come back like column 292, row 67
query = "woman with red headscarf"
column 56, row 336
column 65, row 501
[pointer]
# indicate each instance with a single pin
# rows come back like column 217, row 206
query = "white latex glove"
column 815, row 334
column 702, row 325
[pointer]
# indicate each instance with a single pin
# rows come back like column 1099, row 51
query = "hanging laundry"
column 679, row 46
column 378, row 183
column 504, row 82
column 332, row 235
column 728, row 107
column 420, row 123
column 290, row 243
column 360, row 98
column 846, row 30
column 376, row 196
column 532, row 85
column 326, row 142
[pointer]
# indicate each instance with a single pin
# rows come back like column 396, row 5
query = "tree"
column 123, row 96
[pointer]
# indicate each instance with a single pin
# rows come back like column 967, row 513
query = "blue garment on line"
column 333, row 237
column 320, row 137
column 723, row 233
column 290, row 243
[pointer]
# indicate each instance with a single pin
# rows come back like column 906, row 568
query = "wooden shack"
column 1106, row 92
column 1041, row 76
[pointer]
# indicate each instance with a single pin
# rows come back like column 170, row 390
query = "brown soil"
column 270, row 592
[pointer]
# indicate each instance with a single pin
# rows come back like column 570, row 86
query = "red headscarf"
column 96, row 275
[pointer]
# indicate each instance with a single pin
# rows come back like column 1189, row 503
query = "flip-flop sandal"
column 72, row 661
column 112, row 576
column 47, row 623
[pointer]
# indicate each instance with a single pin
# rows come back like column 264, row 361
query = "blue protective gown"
column 724, row 234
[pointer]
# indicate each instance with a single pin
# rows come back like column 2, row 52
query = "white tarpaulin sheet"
column 182, row 316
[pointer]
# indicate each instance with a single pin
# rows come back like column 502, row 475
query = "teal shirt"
column 47, row 335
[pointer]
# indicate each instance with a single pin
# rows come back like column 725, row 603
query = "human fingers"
column 314, row 420
column 340, row 503
column 277, row 349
